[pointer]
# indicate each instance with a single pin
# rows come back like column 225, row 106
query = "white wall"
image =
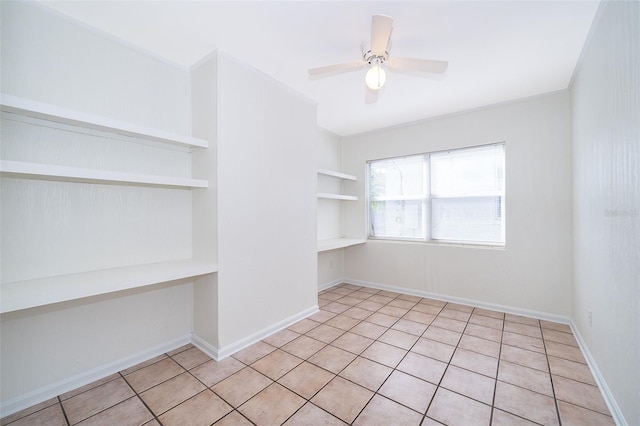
column 266, row 202
column 51, row 228
column 605, row 96
column 534, row 271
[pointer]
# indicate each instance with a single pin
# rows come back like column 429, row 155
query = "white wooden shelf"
column 338, row 175
column 19, row 295
column 41, row 110
column 337, row 196
column 75, row 174
column 338, row 243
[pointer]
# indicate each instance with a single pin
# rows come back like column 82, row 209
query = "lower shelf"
column 19, row 295
column 337, row 243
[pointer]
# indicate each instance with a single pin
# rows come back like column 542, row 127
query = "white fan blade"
column 336, row 69
column 381, row 27
column 410, row 64
column 370, row 96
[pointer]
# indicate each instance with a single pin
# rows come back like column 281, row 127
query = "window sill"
column 439, row 243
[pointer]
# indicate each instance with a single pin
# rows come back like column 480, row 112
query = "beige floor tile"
column 167, row 395
column 408, row 390
column 322, row 303
column 50, row 416
column 241, row 386
column 233, row 419
column 571, row 370
column 468, row 383
column 393, row 311
column 489, row 313
column 349, row 300
column 453, row 409
column 559, row 337
column 483, row 332
column 411, row 327
column 580, row 394
column 151, row 375
column 357, row 313
column 525, row 403
column 421, row 317
column 303, row 326
column 212, row 372
column 369, row 329
column 89, row 386
column 402, row 303
column 485, row 321
column 306, row 379
column 449, row 324
column 129, row 412
column 476, row 362
column 410, row 298
column 383, row 412
column 343, row 322
column 525, row 377
column 524, row 357
column 276, row 364
column 502, row 418
column 572, row 415
column 322, row 316
column 455, row 314
column 524, row 329
column 336, row 307
column 522, row 320
column 391, row 294
column 342, row 398
column 479, row 345
column 272, row 406
column 312, row 415
column 96, row 400
column 28, row 411
column 426, row 309
column 366, row 373
column 254, row 352
column 441, row 335
column 203, row 409
column 370, row 305
column 384, row 354
column 191, row 358
column 180, row 349
column 378, row 298
column 328, row 295
column 361, row 294
column 434, row 302
column 352, row 342
column 428, row 421
column 303, row 347
column 332, row 359
column 565, row 328
column 431, row 348
column 281, row 338
column 423, row 367
column 325, row 333
column 398, row 338
column 569, row 352
column 459, row 307
column 523, row 342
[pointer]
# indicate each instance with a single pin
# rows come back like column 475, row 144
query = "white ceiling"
column 497, row 50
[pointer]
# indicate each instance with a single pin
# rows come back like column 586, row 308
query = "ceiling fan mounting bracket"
column 373, row 59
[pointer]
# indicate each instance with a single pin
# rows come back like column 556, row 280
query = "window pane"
column 397, row 177
column 397, row 219
column 475, row 171
column 477, row 219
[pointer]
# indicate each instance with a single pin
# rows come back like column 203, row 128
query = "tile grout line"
column 553, row 388
column 495, row 384
column 141, row 400
column 64, row 412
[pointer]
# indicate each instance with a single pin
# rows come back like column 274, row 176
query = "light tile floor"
column 368, row 357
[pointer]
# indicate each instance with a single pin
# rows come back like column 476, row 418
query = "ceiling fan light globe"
column 375, row 77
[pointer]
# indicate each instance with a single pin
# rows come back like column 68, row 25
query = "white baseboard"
column 330, row 284
column 228, row 350
column 37, row 396
column 204, row 346
column 464, row 301
column 614, row 409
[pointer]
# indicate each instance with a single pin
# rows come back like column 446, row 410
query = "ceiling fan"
column 377, row 58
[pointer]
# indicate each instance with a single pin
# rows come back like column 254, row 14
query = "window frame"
column 427, row 200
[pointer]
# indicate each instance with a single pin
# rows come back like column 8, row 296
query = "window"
column 454, row 196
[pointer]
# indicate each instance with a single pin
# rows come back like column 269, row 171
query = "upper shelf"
column 41, row 110
column 337, row 174
column 337, row 196
column 45, row 291
column 75, row 174
column 338, row 243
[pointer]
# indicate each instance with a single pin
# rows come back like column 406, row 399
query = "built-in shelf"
column 22, row 169
column 338, row 243
column 338, row 175
column 41, row 110
column 19, row 295
column 337, row 196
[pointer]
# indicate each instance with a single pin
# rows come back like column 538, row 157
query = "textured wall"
column 605, row 97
